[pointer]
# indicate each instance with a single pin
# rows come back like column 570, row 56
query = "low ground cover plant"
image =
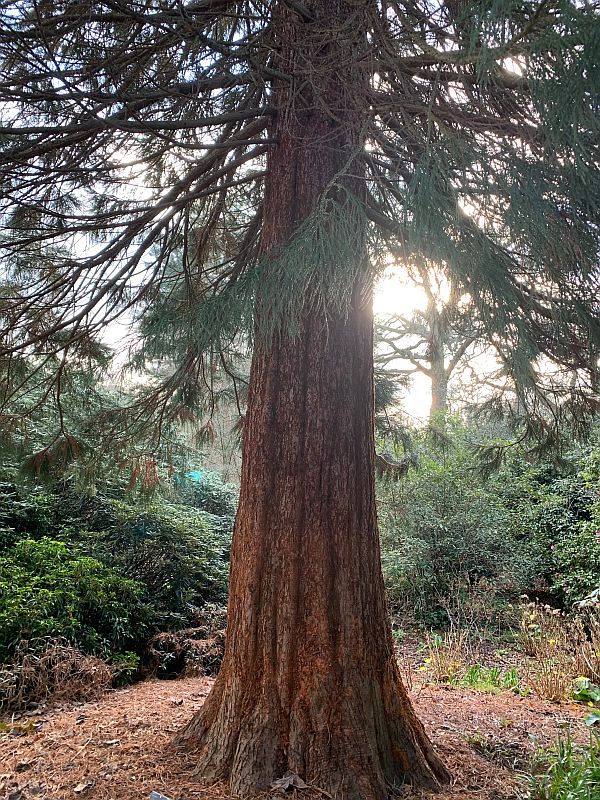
column 567, row 772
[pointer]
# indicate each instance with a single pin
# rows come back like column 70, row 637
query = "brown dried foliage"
column 563, row 648
column 51, row 671
column 185, row 653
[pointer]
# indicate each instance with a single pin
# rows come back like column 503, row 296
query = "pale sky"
column 396, row 294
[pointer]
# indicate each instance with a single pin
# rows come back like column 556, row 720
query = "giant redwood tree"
column 210, row 170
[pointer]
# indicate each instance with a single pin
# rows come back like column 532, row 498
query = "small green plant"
column 479, row 743
column 585, row 691
column 449, row 660
column 125, row 666
column 489, row 679
column 570, row 773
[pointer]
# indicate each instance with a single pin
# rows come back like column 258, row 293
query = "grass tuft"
column 571, row 773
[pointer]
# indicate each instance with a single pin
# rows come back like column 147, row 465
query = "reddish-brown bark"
column 309, row 682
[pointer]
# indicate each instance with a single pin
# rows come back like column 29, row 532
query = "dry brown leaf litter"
column 120, row 746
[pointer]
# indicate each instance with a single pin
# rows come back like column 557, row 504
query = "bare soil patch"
column 120, row 746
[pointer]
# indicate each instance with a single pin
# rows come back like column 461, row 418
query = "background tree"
column 446, row 341
column 283, row 147
column 436, row 341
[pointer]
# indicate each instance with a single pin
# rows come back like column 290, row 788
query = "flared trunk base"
column 357, row 742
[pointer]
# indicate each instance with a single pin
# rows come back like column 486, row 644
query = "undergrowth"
column 569, row 772
column 563, row 657
column 452, row 659
column 565, row 652
column 52, row 670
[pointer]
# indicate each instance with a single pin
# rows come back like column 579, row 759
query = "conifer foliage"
column 217, row 169
column 134, row 139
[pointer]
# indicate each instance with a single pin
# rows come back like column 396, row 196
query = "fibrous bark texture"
column 309, row 682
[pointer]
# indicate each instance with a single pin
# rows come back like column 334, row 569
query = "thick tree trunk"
column 309, row 682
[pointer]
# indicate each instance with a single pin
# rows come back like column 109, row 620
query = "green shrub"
column 23, row 514
column 177, row 555
column 444, row 532
column 173, row 550
column 125, row 667
column 210, row 494
column 556, row 517
column 48, row 589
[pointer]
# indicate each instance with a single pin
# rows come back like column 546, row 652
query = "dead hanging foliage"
column 53, row 459
column 387, row 465
column 143, row 472
column 207, row 434
column 51, row 671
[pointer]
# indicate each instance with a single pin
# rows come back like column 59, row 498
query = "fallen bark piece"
column 289, row 781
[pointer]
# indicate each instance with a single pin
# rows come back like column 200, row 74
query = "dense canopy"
column 133, row 159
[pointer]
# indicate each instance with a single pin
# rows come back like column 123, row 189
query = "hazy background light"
column 396, row 293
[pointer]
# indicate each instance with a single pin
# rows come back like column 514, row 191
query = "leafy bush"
column 557, row 517
column 531, row 527
column 22, row 515
column 106, row 572
column 180, row 553
column 48, row 589
column 210, row 494
column 125, row 667
column 216, row 499
column 444, row 531
column 174, row 551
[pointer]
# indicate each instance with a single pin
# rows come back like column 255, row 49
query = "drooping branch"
column 122, row 123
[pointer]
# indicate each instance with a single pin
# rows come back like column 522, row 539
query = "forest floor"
column 119, row 747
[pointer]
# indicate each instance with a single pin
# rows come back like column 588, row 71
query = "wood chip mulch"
column 119, row 747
